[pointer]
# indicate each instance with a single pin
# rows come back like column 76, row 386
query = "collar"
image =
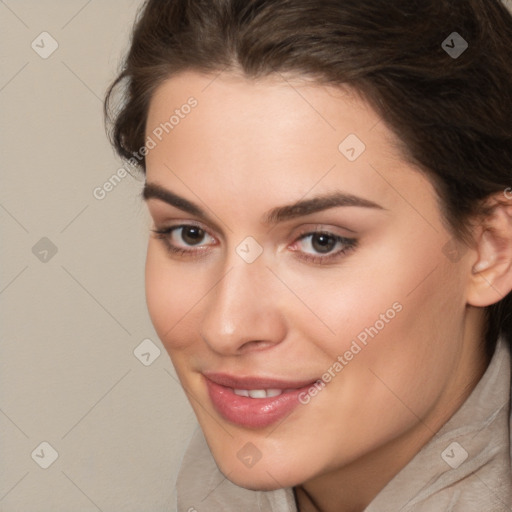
column 466, row 465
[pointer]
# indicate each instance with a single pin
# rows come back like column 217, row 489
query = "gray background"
column 70, row 321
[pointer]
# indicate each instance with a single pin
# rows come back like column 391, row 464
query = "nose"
column 242, row 311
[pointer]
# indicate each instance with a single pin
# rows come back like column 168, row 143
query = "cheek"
column 397, row 353
column 411, row 274
column 409, row 362
column 401, row 318
column 171, row 294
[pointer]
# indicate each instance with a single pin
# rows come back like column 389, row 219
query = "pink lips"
column 253, row 412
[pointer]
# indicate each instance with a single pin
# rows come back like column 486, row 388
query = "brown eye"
column 192, row 235
column 322, row 242
column 323, row 246
column 185, row 239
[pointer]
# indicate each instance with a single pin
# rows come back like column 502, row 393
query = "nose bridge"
column 241, row 308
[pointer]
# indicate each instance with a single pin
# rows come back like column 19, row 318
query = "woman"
column 330, row 264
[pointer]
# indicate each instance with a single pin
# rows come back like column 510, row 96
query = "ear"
column 491, row 278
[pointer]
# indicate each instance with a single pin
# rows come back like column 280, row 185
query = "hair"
column 452, row 114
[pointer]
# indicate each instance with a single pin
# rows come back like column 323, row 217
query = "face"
column 299, row 280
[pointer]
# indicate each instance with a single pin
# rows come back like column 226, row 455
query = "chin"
column 261, row 482
column 264, row 476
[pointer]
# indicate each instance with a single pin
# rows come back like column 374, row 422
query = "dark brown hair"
column 453, row 113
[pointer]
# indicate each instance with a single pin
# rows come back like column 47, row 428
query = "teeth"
column 274, row 392
column 258, row 393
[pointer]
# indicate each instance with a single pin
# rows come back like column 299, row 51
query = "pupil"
column 192, row 235
column 325, row 243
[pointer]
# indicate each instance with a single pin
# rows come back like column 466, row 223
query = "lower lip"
column 252, row 412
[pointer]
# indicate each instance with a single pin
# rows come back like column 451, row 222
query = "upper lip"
column 254, row 382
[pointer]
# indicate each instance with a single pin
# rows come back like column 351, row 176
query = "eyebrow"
column 275, row 215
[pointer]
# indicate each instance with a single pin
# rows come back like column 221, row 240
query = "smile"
column 260, row 393
column 254, row 402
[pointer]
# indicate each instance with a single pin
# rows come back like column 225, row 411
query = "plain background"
column 70, row 321
column 70, row 324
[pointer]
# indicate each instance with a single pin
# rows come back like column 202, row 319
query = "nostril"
column 248, row 346
column 255, row 345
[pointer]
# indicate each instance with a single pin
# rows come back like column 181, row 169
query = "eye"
column 178, row 239
column 191, row 235
column 319, row 246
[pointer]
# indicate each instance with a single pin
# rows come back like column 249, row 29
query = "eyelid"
column 182, row 223
column 339, row 231
column 162, row 212
column 197, row 252
column 348, row 244
column 164, row 234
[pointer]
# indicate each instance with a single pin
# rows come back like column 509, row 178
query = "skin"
column 246, row 148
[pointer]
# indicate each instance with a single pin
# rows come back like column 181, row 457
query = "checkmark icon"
column 454, row 45
column 249, row 249
column 352, row 147
column 249, row 455
column 453, row 250
column 44, row 250
column 44, row 455
column 454, row 455
column 44, row 45
column 146, row 352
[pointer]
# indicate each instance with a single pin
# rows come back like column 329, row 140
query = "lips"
column 254, row 402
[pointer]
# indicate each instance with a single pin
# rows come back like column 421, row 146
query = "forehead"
column 291, row 134
column 295, row 108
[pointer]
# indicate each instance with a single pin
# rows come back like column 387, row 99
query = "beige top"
column 440, row 478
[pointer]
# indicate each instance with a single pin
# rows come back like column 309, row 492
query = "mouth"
column 254, row 402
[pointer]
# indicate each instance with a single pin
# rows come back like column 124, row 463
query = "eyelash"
column 164, row 234
column 349, row 244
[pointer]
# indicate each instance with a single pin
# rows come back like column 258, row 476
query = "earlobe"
column 491, row 278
